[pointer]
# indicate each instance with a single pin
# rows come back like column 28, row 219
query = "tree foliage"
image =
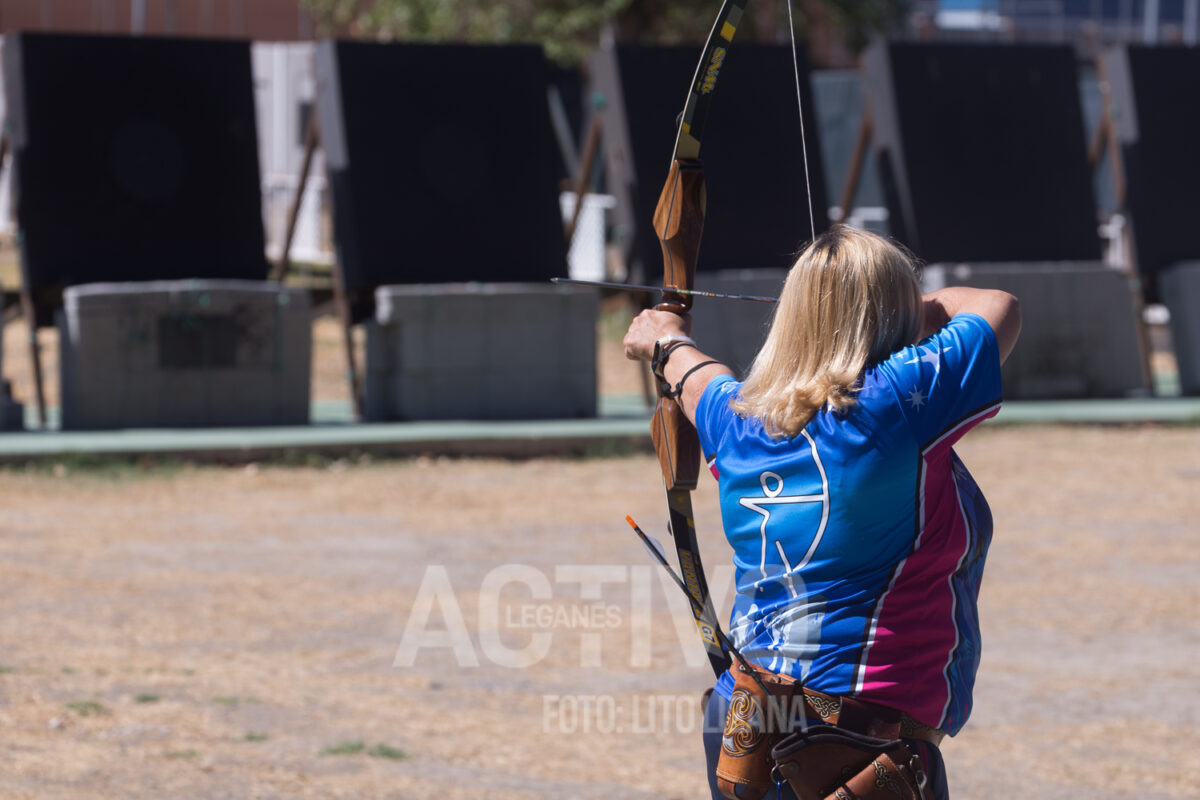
column 567, row 29
column 570, row 29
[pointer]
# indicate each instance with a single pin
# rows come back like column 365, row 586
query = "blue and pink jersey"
column 859, row 545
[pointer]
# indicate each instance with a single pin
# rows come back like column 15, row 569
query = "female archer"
column 858, row 536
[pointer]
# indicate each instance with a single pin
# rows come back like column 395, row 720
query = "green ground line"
column 622, row 426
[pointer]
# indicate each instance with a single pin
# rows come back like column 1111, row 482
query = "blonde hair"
column 850, row 301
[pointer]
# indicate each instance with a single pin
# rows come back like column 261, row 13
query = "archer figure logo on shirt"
column 791, row 528
column 772, row 488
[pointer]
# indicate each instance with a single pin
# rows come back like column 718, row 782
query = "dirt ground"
column 264, row 631
column 233, row 632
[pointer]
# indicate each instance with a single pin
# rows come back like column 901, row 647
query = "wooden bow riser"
column 679, row 223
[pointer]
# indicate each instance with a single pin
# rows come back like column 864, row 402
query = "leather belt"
column 852, row 714
column 870, row 719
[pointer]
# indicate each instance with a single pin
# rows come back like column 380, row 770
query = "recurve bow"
column 679, row 222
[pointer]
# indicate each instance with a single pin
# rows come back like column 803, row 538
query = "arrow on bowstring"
column 639, row 287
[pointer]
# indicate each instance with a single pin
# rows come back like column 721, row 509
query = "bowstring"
column 812, row 225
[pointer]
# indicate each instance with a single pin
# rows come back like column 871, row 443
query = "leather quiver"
column 755, row 722
column 827, row 763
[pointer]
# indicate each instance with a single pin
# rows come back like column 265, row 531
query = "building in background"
column 264, row 20
column 1088, row 24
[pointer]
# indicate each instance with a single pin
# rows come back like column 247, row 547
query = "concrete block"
column 1080, row 335
column 1179, row 286
column 200, row 353
column 481, row 351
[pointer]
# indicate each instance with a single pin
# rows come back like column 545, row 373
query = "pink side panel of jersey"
column 915, row 632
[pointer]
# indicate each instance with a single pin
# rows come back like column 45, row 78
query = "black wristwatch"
column 663, row 349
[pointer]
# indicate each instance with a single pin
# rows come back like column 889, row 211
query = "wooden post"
column 586, row 164
column 1110, row 134
column 1117, row 167
column 27, row 311
column 854, row 172
column 1099, row 138
column 344, row 313
column 311, row 139
column 35, row 355
column 341, row 299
